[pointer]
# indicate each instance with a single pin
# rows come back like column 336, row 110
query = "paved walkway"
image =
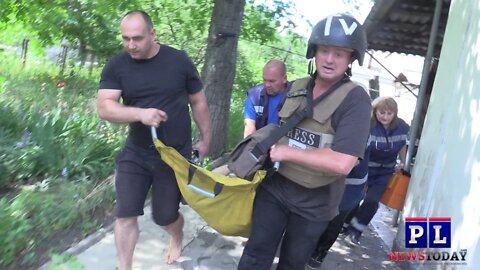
column 204, row 249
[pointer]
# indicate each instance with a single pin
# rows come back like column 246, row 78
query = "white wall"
column 446, row 177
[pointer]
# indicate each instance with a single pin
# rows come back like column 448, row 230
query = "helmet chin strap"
column 310, row 68
column 348, row 72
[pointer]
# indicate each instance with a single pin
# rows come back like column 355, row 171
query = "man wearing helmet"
column 298, row 201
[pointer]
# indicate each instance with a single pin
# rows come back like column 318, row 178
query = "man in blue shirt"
column 261, row 105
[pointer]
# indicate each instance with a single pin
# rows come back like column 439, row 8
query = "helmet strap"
column 310, row 67
column 348, row 72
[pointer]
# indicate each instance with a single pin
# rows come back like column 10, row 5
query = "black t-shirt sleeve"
column 109, row 79
column 351, row 122
column 194, row 83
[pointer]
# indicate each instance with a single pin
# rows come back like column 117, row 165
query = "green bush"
column 14, row 230
column 54, row 156
column 49, row 127
column 38, row 212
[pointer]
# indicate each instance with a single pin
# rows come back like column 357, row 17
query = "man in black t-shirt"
column 156, row 83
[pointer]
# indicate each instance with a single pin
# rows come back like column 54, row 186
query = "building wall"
column 445, row 180
column 405, row 100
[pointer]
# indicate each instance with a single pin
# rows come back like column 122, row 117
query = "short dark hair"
column 145, row 16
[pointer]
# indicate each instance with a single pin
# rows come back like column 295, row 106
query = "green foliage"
column 78, row 21
column 39, row 211
column 182, row 24
column 14, row 232
column 54, row 146
column 49, row 127
column 67, row 261
column 94, row 25
column 262, row 21
column 52, row 141
column 244, row 79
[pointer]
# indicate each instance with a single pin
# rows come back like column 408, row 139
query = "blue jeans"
column 271, row 221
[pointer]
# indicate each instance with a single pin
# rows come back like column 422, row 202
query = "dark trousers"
column 376, row 186
column 271, row 221
column 351, row 197
column 351, row 214
column 329, row 236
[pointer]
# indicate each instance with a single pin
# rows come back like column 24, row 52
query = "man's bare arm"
column 201, row 116
column 249, row 127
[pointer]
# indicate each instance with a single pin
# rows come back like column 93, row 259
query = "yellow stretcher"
column 224, row 202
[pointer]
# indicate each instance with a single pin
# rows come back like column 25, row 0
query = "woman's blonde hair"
column 385, row 103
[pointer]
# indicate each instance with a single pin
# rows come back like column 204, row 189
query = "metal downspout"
column 423, row 84
column 421, row 94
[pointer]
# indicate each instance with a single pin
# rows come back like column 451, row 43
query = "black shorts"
column 136, row 171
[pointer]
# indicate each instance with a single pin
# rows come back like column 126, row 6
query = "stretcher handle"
column 216, row 189
column 153, row 131
column 201, row 191
column 276, row 166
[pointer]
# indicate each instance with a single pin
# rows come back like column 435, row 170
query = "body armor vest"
column 259, row 98
column 310, row 133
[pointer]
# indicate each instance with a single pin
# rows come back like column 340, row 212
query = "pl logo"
column 427, row 236
column 434, row 232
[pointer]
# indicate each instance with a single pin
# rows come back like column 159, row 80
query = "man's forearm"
column 201, row 116
column 249, row 127
column 322, row 160
column 118, row 113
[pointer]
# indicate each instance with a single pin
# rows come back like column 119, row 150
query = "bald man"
column 261, row 105
column 156, row 83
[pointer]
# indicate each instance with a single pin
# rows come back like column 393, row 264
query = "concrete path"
column 204, row 249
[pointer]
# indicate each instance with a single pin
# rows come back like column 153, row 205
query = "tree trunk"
column 218, row 70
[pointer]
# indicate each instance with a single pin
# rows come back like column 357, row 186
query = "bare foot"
column 176, row 237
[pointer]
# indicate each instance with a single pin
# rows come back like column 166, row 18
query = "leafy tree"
column 219, row 69
column 94, row 25
column 182, row 24
column 88, row 24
